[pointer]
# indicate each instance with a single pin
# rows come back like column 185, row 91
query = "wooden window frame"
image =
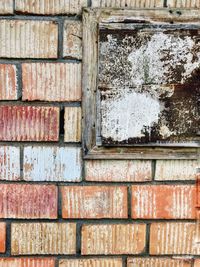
column 91, row 144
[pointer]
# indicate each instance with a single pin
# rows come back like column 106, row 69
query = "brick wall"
column 57, row 210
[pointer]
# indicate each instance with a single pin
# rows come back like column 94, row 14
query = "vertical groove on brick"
column 183, row 3
column 163, row 202
column 2, row 237
column 91, row 263
column 113, row 239
column 8, row 82
column 127, row 3
column 38, row 39
column 27, row 262
column 29, row 123
column 43, row 238
column 175, row 170
column 50, row 6
column 42, row 163
column 94, row 202
column 51, row 81
column 173, row 238
column 158, row 262
column 72, row 124
column 28, row 201
column 6, row 6
column 9, row 163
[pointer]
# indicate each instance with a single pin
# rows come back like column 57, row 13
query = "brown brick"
column 6, row 6
column 29, row 123
column 102, row 262
column 9, row 163
column 173, row 238
column 51, row 81
column 158, row 262
column 43, row 238
column 127, row 3
column 94, row 202
column 183, row 3
column 38, row 39
column 175, row 170
column 8, row 82
column 50, row 7
column 2, row 237
column 118, row 170
column 28, row 201
column 72, row 124
column 113, row 239
column 27, row 262
column 72, row 39
column 163, row 201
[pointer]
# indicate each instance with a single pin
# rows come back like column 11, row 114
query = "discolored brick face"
column 91, row 262
column 8, row 82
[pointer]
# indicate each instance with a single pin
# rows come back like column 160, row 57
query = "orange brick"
column 2, row 237
column 163, row 201
column 118, row 170
column 94, row 202
column 103, row 262
column 8, row 82
column 6, row 6
column 28, row 201
column 43, row 238
column 27, row 262
column 158, row 262
column 51, row 81
column 173, row 238
column 29, row 123
column 128, row 3
column 113, row 239
column 38, row 39
column 198, row 190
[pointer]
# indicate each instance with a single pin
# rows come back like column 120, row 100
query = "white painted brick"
column 44, row 163
column 127, row 3
column 6, row 6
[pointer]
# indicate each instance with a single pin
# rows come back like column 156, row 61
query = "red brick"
column 28, row 201
column 163, row 201
column 6, row 6
column 94, row 202
column 118, row 170
column 51, row 81
column 170, row 238
column 29, row 123
column 9, row 163
column 38, row 39
column 2, row 237
column 8, row 82
column 158, row 262
column 113, row 239
column 27, row 262
column 92, row 262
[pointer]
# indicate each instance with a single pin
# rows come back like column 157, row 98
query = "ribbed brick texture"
column 6, row 6
column 43, row 163
column 94, row 202
column 38, row 39
column 127, row 3
column 43, row 238
column 2, row 237
column 72, row 124
column 91, row 263
column 158, row 262
column 164, row 202
column 27, row 262
column 29, row 123
column 51, row 81
column 113, row 239
column 197, row 263
column 183, row 3
column 50, row 6
column 118, row 171
column 8, row 82
column 173, row 238
column 9, row 163
column 28, row 201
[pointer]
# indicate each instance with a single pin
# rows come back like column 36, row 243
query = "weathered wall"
column 55, row 208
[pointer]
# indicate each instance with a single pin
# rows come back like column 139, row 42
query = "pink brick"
column 163, row 201
column 28, row 201
column 8, row 82
column 27, row 262
column 29, row 123
column 94, row 202
column 2, row 237
column 9, row 163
